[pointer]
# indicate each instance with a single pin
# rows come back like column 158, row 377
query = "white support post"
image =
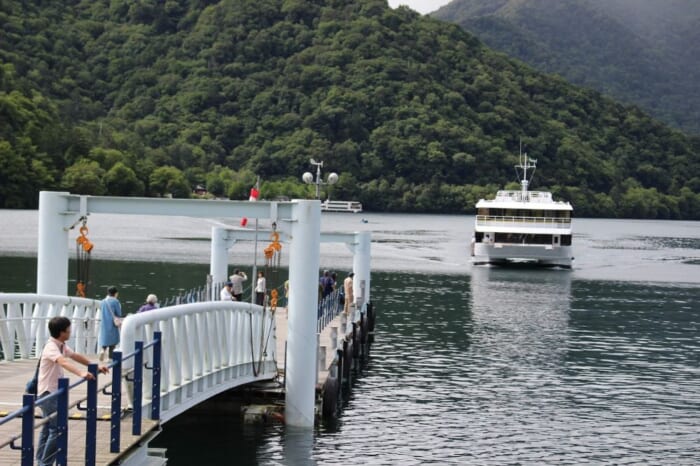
column 304, row 263
column 361, row 265
column 220, row 244
column 52, row 251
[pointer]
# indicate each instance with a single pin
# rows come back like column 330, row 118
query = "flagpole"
column 254, row 281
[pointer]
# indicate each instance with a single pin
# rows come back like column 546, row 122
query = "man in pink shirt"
column 54, row 358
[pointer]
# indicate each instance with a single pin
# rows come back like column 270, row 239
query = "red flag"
column 254, row 194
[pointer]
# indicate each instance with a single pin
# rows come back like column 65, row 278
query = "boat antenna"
column 525, row 162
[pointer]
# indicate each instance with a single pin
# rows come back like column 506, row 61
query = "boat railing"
column 528, row 196
column 555, row 222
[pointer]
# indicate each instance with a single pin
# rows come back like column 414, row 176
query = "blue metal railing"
column 29, row 403
column 328, row 308
column 200, row 294
column 194, row 295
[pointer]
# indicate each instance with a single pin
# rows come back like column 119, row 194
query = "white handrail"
column 24, row 318
column 202, row 338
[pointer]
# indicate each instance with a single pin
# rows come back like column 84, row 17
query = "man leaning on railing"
column 53, row 359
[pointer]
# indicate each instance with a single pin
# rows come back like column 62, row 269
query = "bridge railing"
column 30, row 402
column 203, row 341
column 328, row 308
column 24, row 318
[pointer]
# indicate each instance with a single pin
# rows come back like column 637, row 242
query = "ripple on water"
column 584, row 373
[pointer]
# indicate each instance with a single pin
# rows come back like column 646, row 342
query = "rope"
column 273, row 256
column 263, row 346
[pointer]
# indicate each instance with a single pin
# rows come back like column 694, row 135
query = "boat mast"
column 524, row 163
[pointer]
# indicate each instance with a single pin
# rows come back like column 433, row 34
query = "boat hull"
column 530, row 254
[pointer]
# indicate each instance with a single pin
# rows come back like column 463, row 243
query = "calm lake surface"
column 470, row 365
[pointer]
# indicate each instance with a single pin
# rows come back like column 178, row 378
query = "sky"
column 421, row 6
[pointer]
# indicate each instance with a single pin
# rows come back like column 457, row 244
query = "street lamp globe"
column 308, row 178
column 332, row 178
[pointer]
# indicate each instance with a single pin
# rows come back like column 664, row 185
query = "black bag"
column 33, row 385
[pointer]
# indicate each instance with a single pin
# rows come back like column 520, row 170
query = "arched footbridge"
column 204, row 349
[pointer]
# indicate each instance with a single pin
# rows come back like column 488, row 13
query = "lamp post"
column 308, row 178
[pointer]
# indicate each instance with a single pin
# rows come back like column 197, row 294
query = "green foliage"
column 121, row 180
column 84, row 177
column 154, row 98
column 169, row 181
column 637, row 51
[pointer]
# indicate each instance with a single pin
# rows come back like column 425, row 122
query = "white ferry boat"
column 523, row 226
column 341, row 206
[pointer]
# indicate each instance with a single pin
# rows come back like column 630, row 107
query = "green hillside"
column 150, row 97
column 638, row 51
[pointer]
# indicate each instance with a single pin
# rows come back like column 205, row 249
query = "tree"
column 84, row 177
column 169, row 181
column 14, row 178
column 121, row 180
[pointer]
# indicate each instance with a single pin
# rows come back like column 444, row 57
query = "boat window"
column 521, row 238
column 566, row 240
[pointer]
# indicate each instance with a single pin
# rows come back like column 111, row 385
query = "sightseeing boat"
column 523, row 227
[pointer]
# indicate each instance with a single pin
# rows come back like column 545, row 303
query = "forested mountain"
column 148, row 97
column 638, row 51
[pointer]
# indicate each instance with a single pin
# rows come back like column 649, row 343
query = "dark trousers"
column 259, row 298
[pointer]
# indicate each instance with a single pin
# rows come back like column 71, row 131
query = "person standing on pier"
column 53, row 360
column 260, row 289
column 111, row 314
column 237, row 279
column 151, row 303
column 225, row 294
column 347, row 288
column 326, row 284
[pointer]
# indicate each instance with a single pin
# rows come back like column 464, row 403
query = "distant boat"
column 341, row 206
column 523, row 227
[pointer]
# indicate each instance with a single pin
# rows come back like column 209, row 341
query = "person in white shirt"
column 260, row 289
column 347, row 288
column 54, row 359
column 237, row 279
column 225, row 294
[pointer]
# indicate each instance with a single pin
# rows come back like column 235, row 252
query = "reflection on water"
column 522, row 314
column 524, row 367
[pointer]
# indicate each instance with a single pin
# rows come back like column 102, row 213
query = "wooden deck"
column 13, row 377
column 324, row 340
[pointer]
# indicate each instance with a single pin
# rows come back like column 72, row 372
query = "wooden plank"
column 281, row 321
column 13, row 377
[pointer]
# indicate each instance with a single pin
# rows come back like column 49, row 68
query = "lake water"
column 470, row 365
